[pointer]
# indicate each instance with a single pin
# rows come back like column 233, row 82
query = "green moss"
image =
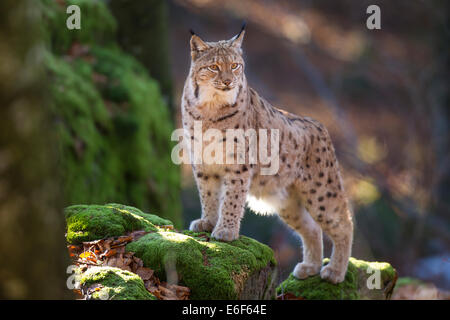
column 97, row 24
column 387, row 272
column 211, row 269
column 113, row 125
column 150, row 45
column 404, row 281
column 90, row 167
column 92, row 222
column 117, row 284
column 314, row 288
column 156, row 220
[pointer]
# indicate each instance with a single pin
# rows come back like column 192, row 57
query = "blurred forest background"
column 86, row 117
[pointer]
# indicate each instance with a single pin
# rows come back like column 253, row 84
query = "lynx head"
column 217, row 68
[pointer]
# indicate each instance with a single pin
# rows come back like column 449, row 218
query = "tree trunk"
column 143, row 32
column 32, row 251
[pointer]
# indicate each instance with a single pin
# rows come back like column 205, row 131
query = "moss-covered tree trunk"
column 33, row 256
column 143, row 32
column 113, row 125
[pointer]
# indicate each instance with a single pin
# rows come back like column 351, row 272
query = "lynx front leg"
column 209, row 191
column 232, row 210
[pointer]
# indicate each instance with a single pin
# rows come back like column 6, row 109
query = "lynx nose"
column 226, row 82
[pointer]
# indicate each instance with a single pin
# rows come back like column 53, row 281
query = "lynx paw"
column 225, row 234
column 200, row 225
column 303, row 270
column 331, row 274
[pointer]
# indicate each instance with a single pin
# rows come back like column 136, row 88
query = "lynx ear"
column 197, row 45
column 236, row 41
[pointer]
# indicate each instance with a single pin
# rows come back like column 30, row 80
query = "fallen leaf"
column 167, row 294
column 87, row 255
column 108, row 253
column 122, row 239
column 111, row 252
column 145, row 273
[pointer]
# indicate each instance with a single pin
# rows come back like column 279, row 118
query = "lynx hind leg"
column 342, row 238
column 299, row 219
column 335, row 219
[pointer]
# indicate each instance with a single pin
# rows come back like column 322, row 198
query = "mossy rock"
column 98, row 24
column 360, row 275
column 92, row 222
column 241, row 269
column 112, row 123
column 114, row 284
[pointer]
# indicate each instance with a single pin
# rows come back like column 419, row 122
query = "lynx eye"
column 213, row 67
column 234, row 66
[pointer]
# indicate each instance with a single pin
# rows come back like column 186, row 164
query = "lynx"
column 306, row 191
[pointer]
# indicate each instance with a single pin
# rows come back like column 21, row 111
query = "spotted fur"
column 306, row 192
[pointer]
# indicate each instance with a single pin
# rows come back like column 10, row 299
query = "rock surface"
column 92, row 222
column 241, row 269
column 107, row 283
column 364, row 280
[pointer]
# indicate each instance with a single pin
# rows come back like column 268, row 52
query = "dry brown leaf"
column 122, row 239
column 111, row 252
column 138, row 234
column 145, row 273
column 167, row 294
column 78, row 293
column 108, row 253
column 111, row 262
column 178, row 288
column 89, row 256
column 157, row 294
column 150, row 285
column 126, row 268
column 138, row 262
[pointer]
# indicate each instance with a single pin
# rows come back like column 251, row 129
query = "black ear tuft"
column 236, row 41
column 244, row 25
column 192, row 32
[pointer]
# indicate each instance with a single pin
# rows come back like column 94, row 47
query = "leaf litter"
column 111, row 252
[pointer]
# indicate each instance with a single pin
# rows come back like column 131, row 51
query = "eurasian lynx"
column 306, row 191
